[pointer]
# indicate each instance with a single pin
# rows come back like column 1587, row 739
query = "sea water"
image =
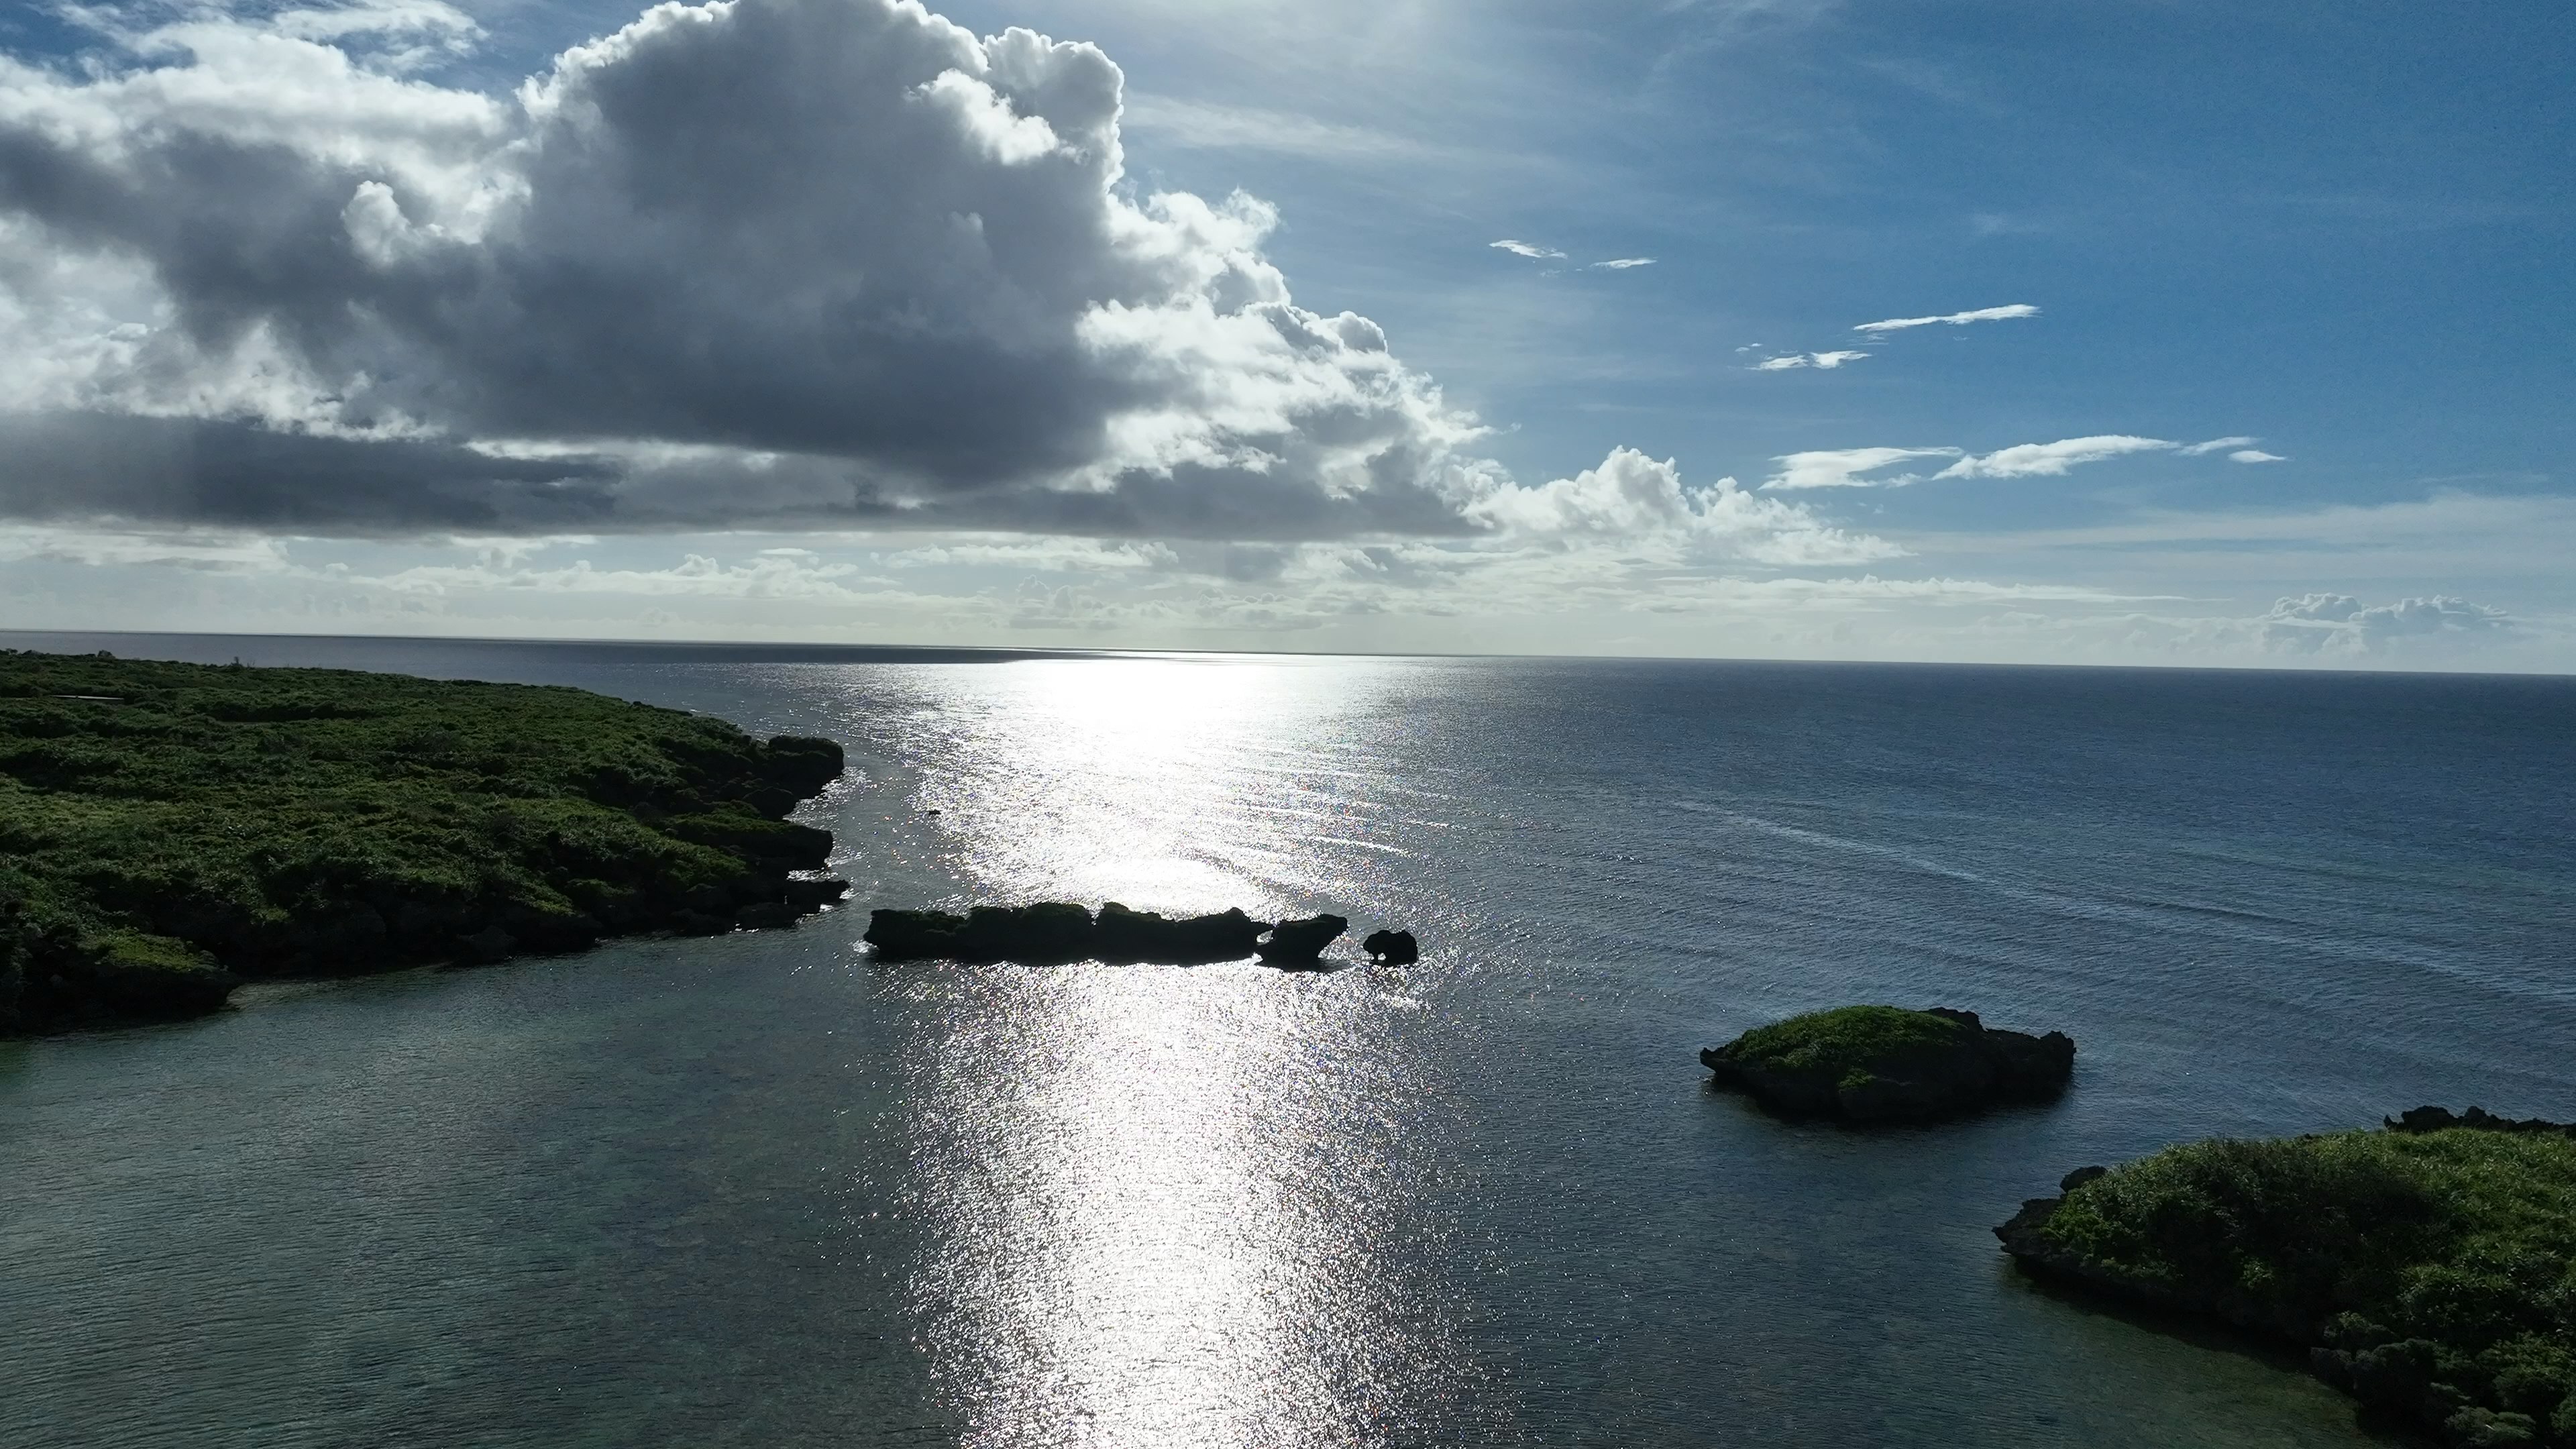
column 762, row 1190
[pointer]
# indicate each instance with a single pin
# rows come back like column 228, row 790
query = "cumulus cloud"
column 1631, row 496
column 1952, row 319
column 1846, row 467
column 763, row 263
column 1528, row 249
column 2033, row 460
column 1807, row 359
column 2339, row 624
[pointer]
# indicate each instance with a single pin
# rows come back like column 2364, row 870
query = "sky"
column 2132, row 332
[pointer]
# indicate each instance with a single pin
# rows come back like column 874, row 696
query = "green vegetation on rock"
column 1845, row 1040
column 169, row 829
column 1888, row 1064
column 2432, row 1272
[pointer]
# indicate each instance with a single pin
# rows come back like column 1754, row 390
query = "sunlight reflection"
column 1163, row 1190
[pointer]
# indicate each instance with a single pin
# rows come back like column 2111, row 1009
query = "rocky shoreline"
column 2417, row 1266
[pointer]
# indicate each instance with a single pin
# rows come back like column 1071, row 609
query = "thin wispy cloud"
column 2051, row 460
column 1807, row 359
column 2254, row 455
column 1950, row 319
column 1844, row 467
column 2218, row 445
column 1531, row 250
column 1621, row 264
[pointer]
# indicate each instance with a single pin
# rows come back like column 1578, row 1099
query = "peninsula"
column 2429, row 1267
column 170, row 830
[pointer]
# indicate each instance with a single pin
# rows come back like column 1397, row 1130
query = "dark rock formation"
column 2436, row 1119
column 1124, row 936
column 1301, row 942
column 1868, row 1064
column 1047, row 932
column 1058, row 931
column 1391, row 948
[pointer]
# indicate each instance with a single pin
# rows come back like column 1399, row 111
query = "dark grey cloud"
column 772, row 264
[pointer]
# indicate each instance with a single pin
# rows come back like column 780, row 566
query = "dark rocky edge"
column 168, row 831
column 2429, row 1284
column 1873, row 1064
column 1392, row 948
column 1054, row 932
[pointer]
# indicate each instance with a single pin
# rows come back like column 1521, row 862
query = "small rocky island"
column 1868, row 1064
column 2428, row 1268
column 170, row 830
column 1054, row 932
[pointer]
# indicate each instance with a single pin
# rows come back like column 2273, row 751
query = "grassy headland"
column 2431, row 1272
column 167, row 830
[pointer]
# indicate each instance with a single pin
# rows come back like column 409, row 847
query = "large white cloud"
column 780, row 263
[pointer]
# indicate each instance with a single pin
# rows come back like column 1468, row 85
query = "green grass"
column 1844, row 1041
column 255, row 822
column 2453, row 1251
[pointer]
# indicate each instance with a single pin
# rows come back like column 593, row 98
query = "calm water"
column 760, row 1191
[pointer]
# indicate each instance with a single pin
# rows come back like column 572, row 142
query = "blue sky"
column 2333, row 232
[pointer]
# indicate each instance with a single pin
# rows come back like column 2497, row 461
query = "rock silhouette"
column 1392, row 948
column 1301, row 942
column 1057, row 931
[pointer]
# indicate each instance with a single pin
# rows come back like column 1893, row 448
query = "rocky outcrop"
column 1122, row 936
column 2436, row 1119
column 1884, row 1064
column 1392, row 948
column 1058, row 931
column 1301, row 942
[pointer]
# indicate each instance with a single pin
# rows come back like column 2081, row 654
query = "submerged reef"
column 1867, row 1064
column 2429, row 1267
column 1052, row 932
column 168, row 831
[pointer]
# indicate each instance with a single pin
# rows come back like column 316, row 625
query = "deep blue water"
column 759, row 1190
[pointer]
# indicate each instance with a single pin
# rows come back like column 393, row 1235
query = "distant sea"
column 759, row 1190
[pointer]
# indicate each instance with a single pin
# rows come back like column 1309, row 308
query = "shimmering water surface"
column 759, row 1190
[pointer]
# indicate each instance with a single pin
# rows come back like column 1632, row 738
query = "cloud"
column 1843, row 467
column 1631, row 496
column 1810, row 359
column 764, row 263
column 1621, row 264
column 2216, row 445
column 1527, row 249
column 2338, row 624
column 2033, row 460
column 1953, row 319
column 2254, row 455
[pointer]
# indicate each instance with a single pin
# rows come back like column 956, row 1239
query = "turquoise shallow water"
column 760, row 1190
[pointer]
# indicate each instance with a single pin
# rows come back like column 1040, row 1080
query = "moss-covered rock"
column 1889, row 1064
column 169, row 829
column 2430, row 1269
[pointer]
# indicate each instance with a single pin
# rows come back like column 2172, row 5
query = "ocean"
column 761, row 1190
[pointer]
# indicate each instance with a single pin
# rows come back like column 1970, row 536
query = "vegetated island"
column 168, row 830
column 1055, row 932
column 2429, row 1267
column 1868, row 1064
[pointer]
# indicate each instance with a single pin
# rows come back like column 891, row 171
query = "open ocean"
column 759, row 1190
